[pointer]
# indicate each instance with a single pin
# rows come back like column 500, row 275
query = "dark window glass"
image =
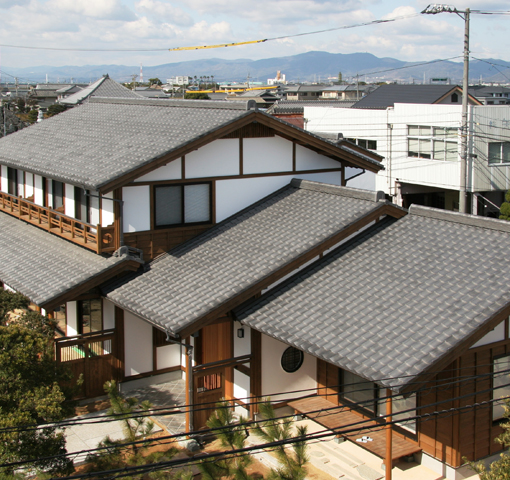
column 455, row 98
column 360, row 391
column 182, row 204
column 12, row 181
column 90, row 316
column 292, row 359
column 58, row 194
column 81, row 207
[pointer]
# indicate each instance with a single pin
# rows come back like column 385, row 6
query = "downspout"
column 121, row 219
column 189, row 376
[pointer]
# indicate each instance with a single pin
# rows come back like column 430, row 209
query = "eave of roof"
column 397, row 303
column 213, row 273
column 50, row 270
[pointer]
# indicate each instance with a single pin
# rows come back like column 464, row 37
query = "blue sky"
column 152, row 24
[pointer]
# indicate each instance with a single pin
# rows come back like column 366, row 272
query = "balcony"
column 94, row 237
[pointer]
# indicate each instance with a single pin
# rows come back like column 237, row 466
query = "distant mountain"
column 310, row 66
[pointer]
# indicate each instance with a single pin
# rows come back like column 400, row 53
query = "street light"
column 464, row 14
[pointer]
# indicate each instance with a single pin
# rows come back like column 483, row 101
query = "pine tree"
column 292, row 464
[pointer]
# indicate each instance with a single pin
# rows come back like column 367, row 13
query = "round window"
column 292, row 359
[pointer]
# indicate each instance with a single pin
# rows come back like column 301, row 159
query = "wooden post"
column 388, row 461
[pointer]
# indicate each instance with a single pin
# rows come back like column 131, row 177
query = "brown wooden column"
column 388, row 461
column 255, row 370
column 189, row 399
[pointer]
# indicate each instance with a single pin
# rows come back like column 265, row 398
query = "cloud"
column 164, row 12
column 101, row 9
column 12, row 3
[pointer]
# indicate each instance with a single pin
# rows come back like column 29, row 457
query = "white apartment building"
column 420, row 144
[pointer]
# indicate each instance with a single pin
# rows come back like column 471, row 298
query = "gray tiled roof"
column 387, row 95
column 395, row 299
column 43, row 266
column 104, row 87
column 104, row 139
column 298, row 106
column 202, row 274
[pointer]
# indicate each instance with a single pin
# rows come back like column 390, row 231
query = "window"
column 292, row 359
column 357, row 390
column 455, row 98
column 81, row 205
column 90, row 316
column 368, row 144
column 12, row 181
column 500, row 381
column 57, row 189
column 438, row 143
column 182, row 204
column 499, row 152
column 399, row 403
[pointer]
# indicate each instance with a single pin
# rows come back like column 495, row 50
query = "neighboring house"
column 303, row 92
column 292, row 111
column 421, row 147
column 46, row 94
column 262, row 98
column 104, row 87
column 357, row 293
column 490, row 95
column 347, row 92
column 388, row 95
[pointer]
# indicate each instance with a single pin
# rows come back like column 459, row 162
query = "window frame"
column 299, row 364
column 500, row 157
column 79, row 311
column 182, row 187
column 493, row 396
column 428, row 135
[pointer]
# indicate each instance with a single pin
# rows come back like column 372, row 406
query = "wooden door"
column 209, row 388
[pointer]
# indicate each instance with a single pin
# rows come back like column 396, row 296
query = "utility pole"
column 464, row 133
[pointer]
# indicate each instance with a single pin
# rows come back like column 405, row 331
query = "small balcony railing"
column 94, row 237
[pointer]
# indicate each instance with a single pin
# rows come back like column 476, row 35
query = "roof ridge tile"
column 357, row 193
column 167, row 102
column 462, row 218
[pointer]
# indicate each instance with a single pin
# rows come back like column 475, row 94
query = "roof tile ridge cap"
column 357, row 193
column 170, row 102
column 461, row 218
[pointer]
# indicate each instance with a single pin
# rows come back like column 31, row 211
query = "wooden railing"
column 94, row 237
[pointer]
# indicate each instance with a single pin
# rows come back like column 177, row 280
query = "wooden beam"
column 69, row 295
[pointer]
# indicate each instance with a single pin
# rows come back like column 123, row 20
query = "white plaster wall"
column 137, row 208
column 21, row 183
column 495, row 335
column 9, row 289
column 29, row 184
column 72, row 318
column 4, row 184
column 94, row 208
column 365, row 181
column 50, row 193
column 236, row 194
column 38, row 190
column 69, row 200
column 242, row 346
column 108, row 314
column 170, row 171
column 107, row 210
column 168, row 356
column 241, row 386
column 275, row 379
column 219, row 158
column 307, row 159
column 138, row 345
column 266, row 155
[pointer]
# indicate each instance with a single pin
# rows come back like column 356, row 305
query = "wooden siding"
column 156, row 242
column 328, row 381
column 451, row 436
